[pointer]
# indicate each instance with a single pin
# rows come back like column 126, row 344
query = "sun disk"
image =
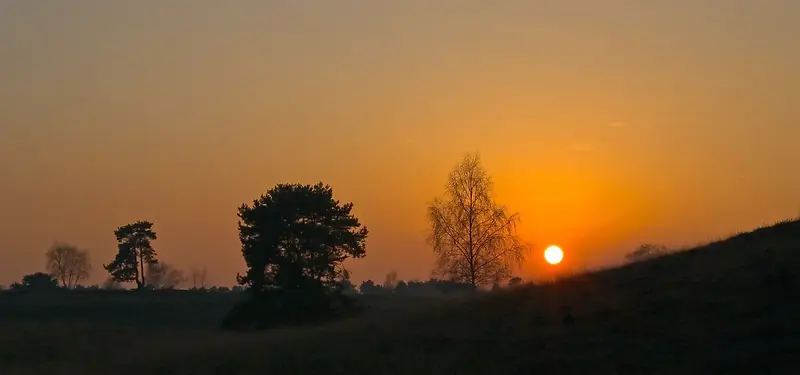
column 553, row 254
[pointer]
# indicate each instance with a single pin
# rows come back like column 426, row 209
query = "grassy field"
column 731, row 307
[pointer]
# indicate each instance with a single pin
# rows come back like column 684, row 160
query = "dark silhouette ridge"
column 726, row 308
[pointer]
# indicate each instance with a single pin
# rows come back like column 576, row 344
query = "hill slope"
column 731, row 307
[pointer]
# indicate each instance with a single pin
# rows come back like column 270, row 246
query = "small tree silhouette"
column 164, row 276
column 38, row 281
column 646, row 251
column 199, row 277
column 68, row 264
column 390, row 281
column 134, row 253
column 369, row 287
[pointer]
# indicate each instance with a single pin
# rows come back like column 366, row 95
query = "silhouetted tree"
column 37, row 281
column 294, row 240
column 369, row 287
column 390, row 281
column 134, row 253
column 419, row 287
column 646, row 251
column 68, row 264
column 496, row 286
column 164, row 276
column 516, row 280
column 473, row 237
column 199, row 277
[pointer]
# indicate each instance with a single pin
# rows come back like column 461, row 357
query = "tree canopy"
column 162, row 275
column 135, row 251
column 37, row 281
column 474, row 238
column 68, row 264
column 294, row 241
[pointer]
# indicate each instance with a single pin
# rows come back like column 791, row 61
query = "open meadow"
column 48, row 330
column 730, row 307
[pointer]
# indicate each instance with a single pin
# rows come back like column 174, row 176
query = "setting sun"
column 553, row 255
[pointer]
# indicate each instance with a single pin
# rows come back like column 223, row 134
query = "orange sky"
column 604, row 123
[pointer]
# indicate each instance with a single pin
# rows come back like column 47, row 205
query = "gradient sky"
column 605, row 123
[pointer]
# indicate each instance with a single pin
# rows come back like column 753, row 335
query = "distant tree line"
column 135, row 261
column 433, row 286
column 415, row 287
column 295, row 239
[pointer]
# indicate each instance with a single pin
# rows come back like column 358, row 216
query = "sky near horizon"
column 605, row 124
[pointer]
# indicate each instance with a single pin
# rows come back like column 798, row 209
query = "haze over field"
column 606, row 124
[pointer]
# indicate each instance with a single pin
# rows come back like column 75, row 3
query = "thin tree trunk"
column 141, row 268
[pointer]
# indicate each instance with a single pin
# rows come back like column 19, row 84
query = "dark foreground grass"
column 731, row 307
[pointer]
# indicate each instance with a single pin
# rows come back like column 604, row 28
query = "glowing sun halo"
column 553, row 254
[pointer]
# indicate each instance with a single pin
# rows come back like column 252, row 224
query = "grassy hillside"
column 731, row 307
